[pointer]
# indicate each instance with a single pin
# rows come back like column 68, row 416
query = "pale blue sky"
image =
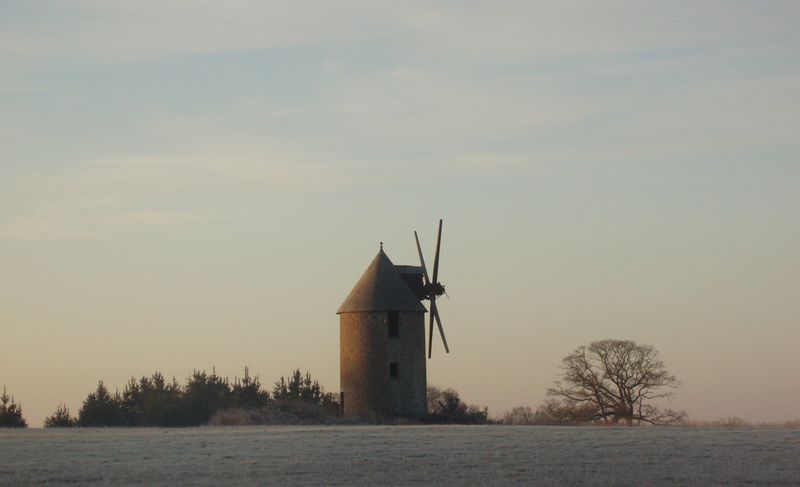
column 186, row 185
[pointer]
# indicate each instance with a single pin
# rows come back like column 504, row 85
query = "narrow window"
column 393, row 321
column 393, row 370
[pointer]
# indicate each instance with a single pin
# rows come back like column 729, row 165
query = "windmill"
column 433, row 289
column 382, row 364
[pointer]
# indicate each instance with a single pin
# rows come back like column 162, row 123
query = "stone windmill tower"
column 382, row 338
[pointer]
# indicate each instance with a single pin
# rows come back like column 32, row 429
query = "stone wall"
column 366, row 350
column 408, row 390
column 362, row 353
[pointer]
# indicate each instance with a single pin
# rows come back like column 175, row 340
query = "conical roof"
column 381, row 289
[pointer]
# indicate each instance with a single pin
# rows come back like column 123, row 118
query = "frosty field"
column 346, row 455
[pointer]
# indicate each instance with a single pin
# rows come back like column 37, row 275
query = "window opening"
column 393, row 320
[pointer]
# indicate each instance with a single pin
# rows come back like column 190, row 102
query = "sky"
column 188, row 185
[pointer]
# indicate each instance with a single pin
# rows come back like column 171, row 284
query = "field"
column 346, row 455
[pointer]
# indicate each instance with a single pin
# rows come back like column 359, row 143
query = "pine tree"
column 247, row 392
column 101, row 408
column 10, row 412
column 304, row 397
column 152, row 401
column 204, row 395
column 61, row 418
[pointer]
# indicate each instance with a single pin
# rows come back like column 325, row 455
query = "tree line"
column 156, row 401
column 209, row 398
column 606, row 382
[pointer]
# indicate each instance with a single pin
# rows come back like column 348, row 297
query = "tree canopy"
column 615, row 381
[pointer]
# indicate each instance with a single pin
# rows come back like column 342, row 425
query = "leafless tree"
column 520, row 415
column 446, row 406
column 616, row 380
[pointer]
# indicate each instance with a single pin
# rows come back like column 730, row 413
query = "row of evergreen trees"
column 155, row 401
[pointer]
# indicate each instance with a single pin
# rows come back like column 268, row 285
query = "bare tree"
column 616, row 380
column 520, row 415
column 446, row 406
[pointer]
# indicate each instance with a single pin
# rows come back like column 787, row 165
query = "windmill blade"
column 435, row 313
column 430, row 329
column 436, row 258
column 421, row 259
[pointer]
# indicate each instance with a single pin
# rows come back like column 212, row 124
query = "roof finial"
column 381, row 246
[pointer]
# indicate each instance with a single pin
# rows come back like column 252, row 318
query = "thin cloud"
column 52, row 223
column 42, row 226
column 150, row 219
column 464, row 32
column 150, row 30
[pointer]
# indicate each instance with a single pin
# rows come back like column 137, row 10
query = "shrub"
column 730, row 422
column 445, row 406
column 520, row 415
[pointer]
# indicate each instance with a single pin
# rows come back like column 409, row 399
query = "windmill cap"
column 381, row 289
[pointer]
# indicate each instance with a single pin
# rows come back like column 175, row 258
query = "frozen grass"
column 346, row 455
column 737, row 422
